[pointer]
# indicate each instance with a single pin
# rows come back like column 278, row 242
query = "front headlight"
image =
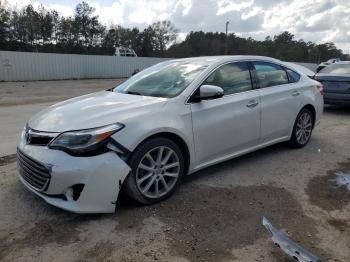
column 82, row 141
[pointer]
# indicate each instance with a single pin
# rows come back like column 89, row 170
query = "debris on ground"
column 288, row 246
column 343, row 179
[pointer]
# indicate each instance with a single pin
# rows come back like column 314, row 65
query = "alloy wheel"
column 158, row 172
column 304, row 128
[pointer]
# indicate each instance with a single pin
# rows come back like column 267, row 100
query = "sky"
column 312, row 20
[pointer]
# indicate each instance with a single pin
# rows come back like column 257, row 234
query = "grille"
column 33, row 172
column 40, row 141
column 38, row 138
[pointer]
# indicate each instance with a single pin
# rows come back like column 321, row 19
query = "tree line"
column 42, row 30
column 283, row 46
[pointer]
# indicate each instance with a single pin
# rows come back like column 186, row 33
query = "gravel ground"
column 214, row 216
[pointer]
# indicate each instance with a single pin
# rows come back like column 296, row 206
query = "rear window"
column 292, row 76
column 336, row 69
column 270, row 74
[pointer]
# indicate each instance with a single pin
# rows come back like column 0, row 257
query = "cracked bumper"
column 101, row 175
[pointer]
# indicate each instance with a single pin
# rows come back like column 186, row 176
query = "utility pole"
column 226, row 44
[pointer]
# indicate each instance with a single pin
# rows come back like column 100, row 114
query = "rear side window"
column 270, row 74
column 232, row 78
column 293, row 76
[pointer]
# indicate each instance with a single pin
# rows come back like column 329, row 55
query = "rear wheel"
column 157, row 166
column 302, row 129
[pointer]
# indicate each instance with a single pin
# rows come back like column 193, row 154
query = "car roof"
column 227, row 58
column 217, row 60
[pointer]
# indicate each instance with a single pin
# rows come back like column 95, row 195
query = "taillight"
column 319, row 87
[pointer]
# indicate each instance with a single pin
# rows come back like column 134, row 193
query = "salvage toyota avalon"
column 165, row 122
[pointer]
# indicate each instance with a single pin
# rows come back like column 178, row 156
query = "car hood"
column 93, row 110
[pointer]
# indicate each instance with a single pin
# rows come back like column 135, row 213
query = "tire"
column 144, row 171
column 302, row 129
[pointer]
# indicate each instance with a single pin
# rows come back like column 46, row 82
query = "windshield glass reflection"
column 166, row 79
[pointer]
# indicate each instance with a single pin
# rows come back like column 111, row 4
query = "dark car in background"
column 335, row 79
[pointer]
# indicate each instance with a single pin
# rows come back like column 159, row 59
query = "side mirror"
column 207, row 92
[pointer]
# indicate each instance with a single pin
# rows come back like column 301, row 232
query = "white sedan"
column 165, row 122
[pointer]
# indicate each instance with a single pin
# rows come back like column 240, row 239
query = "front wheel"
column 157, row 166
column 302, row 129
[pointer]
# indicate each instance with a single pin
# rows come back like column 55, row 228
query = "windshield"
column 167, row 79
column 337, row 69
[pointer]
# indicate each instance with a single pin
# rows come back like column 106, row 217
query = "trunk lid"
column 334, row 83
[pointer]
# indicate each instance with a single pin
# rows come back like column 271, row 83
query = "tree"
column 152, row 41
column 147, row 45
column 30, row 23
column 55, row 25
column 45, row 24
column 87, row 28
column 4, row 23
column 284, row 38
column 164, row 33
column 66, row 30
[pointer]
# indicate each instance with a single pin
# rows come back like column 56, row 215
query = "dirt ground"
column 21, row 100
column 214, row 216
column 22, row 93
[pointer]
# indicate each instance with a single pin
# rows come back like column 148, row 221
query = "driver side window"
column 232, row 78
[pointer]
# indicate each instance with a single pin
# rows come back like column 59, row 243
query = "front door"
column 230, row 124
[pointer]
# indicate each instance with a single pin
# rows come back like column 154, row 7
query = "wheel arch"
column 176, row 139
column 312, row 109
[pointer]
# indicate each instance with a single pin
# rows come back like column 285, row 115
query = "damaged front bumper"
column 77, row 184
column 288, row 246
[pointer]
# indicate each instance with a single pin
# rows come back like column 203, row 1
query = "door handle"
column 252, row 103
column 295, row 93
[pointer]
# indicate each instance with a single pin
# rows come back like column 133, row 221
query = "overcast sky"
column 313, row 20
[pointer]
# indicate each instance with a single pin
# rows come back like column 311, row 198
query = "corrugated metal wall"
column 25, row 66
column 311, row 66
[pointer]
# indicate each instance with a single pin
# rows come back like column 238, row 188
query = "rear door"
column 228, row 124
column 280, row 99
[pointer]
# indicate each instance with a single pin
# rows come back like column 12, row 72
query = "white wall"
column 25, row 66
column 310, row 66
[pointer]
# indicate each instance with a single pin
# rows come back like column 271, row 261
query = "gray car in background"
column 336, row 83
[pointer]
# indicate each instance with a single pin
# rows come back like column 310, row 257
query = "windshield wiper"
column 133, row 93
